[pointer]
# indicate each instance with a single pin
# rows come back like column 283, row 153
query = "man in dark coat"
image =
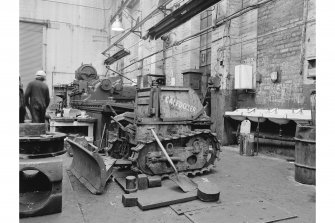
column 22, row 104
column 37, row 97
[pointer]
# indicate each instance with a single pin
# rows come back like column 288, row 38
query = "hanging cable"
column 167, row 57
column 135, row 44
column 85, row 6
column 119, row 74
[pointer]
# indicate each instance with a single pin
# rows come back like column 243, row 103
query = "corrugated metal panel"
column 31, row 51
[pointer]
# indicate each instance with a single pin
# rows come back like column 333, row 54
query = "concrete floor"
column 239, row 178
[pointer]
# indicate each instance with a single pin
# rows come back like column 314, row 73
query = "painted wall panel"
column 31, row 51
column 78, row 32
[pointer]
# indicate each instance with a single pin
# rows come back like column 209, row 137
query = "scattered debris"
column 129, row 200
column 142, row 181
column 131, row 186
column 154, row 181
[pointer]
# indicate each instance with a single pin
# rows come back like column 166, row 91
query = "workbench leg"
column 90, row 131
column 52, row 128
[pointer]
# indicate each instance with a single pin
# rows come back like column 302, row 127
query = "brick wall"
column 270, row 38
column 279, row 47
column 184, row 56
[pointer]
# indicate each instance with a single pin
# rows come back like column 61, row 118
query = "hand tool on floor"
column 185, row 183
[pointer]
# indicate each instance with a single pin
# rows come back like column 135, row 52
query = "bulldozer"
column 170, row 115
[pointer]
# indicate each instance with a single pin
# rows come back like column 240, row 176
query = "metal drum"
column 305, row 154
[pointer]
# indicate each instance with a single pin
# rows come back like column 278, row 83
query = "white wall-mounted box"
column 244, row 77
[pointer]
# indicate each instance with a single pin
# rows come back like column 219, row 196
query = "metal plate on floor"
column 192, row 206
column 169, row 193
column 248, row 212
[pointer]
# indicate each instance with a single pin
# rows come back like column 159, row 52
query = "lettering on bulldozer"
column 191, row 146
column 179, row 104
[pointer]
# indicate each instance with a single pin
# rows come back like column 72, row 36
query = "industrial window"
column 205, row 41
column 311, row 63
column 311, row 68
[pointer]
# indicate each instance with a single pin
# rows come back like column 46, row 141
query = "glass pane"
column 203, row 14
column 203, row 59
column 210, row 10
column 203, row 39
column 209, row 20
column 203, row 24
column 208, row 55
column 209, row 38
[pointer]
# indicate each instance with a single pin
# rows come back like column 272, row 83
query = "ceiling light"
column 117, row 25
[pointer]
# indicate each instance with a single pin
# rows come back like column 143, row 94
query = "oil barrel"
column 305, row 143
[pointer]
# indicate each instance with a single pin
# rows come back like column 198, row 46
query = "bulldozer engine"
column 178, row 118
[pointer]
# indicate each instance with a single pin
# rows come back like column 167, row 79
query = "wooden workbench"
column 72, row 122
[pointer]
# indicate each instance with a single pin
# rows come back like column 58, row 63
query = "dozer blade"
column 90, row 168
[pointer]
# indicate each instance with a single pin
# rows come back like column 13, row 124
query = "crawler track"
column 143, row 148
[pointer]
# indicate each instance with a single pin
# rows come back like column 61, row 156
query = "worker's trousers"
column 37, row 114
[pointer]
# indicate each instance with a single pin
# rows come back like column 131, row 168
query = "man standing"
column 37, row 97
column 22, row 105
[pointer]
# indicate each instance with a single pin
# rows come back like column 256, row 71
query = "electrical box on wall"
column 311, row 68
column 192, row 79
column 243, row 77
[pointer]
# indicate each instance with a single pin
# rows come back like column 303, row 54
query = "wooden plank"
column 247, row 211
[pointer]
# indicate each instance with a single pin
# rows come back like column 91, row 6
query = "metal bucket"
column 247, row 144
column 305, row 168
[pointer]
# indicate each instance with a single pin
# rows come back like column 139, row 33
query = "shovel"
column 185, row 183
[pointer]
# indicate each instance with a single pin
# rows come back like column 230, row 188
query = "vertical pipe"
column 303, row 37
